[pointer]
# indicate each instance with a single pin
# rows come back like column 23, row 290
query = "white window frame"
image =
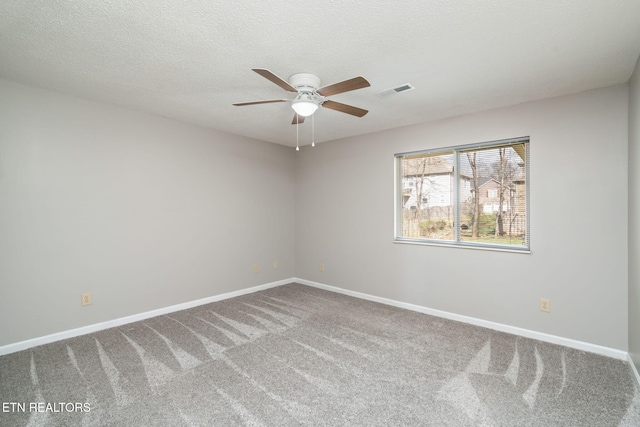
column 457, row 242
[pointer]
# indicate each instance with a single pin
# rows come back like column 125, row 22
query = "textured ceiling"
column 191, row 60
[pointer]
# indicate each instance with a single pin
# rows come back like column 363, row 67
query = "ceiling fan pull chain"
column 313, row 131
column 297, row 144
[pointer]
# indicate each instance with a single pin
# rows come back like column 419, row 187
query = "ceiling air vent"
column 394, row 90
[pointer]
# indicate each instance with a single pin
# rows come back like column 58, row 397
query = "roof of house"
column 426, row 166
column 419, row 166
column 483, row 180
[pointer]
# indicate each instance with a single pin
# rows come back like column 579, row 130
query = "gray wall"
column 146, row 212
column 634, row 216
column 143, row 212
column 344, row 219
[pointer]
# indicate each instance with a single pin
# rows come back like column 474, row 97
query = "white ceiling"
column 192, row 59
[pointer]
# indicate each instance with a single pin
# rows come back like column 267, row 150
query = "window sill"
column 420, row 242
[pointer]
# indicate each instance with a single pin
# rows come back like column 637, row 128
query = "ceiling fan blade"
column 344, row 86
column 344, row 108
column 239, row 104
column 297, row 120
column 275, row 79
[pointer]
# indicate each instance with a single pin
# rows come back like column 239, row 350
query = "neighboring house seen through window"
column 481, row 188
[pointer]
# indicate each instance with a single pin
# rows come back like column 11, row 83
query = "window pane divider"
column 456, row 200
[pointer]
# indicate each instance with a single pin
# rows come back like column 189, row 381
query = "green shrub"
column 486, row 225
column 432, row 226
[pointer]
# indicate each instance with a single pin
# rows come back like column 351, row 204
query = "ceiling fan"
column 310, row 95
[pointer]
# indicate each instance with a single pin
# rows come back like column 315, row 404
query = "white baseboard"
column 567, row 342
column 633, row 368
column 23, row 345
column 580, row 345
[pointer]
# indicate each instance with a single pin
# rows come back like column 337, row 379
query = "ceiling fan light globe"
column 304, row 107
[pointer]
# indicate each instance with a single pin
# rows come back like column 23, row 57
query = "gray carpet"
column 296, row 355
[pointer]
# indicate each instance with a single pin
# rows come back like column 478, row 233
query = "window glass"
column 481, row 187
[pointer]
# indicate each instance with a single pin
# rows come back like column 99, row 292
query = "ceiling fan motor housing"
column 305, row 82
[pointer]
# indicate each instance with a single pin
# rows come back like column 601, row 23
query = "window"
column 437, row 189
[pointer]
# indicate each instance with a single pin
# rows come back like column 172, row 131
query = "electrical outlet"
column 275, row 265
column 85, row 299
column 322, row 266
column 255, row 268
column 545, row 305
